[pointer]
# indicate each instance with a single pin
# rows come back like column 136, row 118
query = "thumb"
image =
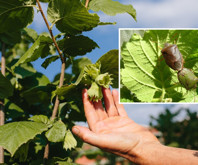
column 86, row 135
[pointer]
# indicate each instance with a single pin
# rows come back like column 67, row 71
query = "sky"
column 150, row 14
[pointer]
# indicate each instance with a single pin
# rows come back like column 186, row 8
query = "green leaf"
column 31, row 33
column 57, row 132
column 24, row 70
column 10, row 38
column 6, row 88
column 149, row 77
column 36, row 79
column 13, row 135
column 60, row 161
column 70, row 141
column 40, row 48
column 41, row 119
column 112, row 8
column 15, row 15
column 125, row 95
column 45, row 1
column 22, row 152
column 12, row 110
column 48, row 61
column 77, row 45
column 66, row 90
column 38, row 94
column 79, row 65
column 109, row 64
column 70, row 16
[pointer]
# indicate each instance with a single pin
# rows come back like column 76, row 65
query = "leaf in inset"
column 77, row 45
column 70, row 16
column 70, row 141
column 13, row 135
column 57, row 132
column 109, row 64
column 112, row 8
column 40, row 48
column 15, row 15
column 6, row 88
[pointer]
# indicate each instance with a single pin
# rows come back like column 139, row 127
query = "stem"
column 2, row 113
column 87, row 3
column 56, row 105
column 163, row 94
column 46, row 152
column 55, row 110
column 50, row 31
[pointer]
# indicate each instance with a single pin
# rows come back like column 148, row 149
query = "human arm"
column 112, row 130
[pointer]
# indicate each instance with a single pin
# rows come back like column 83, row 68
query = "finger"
column 109, row 103
column 90, row 113
column 100, row 110
column 119, row 107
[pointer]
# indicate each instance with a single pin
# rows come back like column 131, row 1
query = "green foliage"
column 10, row 38
column 49, row 60
column 181, row 133
column 40, row 48
column 110, row 7
column 77, row 45
column 21, row 133
column 109, row 63
column 12, row 110
column 6, row 88
column 89, row 76
column 41, row 119
column 22, row 152
column 69, row 141
column 146, row 75
column 15, row 14
column 71, row 17
column 57, row 132
column 29, row 95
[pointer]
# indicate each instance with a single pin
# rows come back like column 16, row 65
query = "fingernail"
column 75, row 130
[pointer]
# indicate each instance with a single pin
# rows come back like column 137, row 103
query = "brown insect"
column 172, row 56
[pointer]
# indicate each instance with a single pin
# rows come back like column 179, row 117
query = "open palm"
column 110, row 128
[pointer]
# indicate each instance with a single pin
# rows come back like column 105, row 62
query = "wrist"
column 157, row 154
column 146, row 153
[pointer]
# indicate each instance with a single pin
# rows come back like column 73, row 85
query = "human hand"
column 111, row 129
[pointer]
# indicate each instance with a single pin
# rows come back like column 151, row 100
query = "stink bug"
column 172, row 56
column 187, row 78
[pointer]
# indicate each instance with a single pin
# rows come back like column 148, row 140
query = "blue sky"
column 150, row 14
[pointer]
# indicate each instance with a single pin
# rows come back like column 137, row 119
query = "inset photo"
column 158, row 65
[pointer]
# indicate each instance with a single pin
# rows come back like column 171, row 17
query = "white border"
column 120, row 55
